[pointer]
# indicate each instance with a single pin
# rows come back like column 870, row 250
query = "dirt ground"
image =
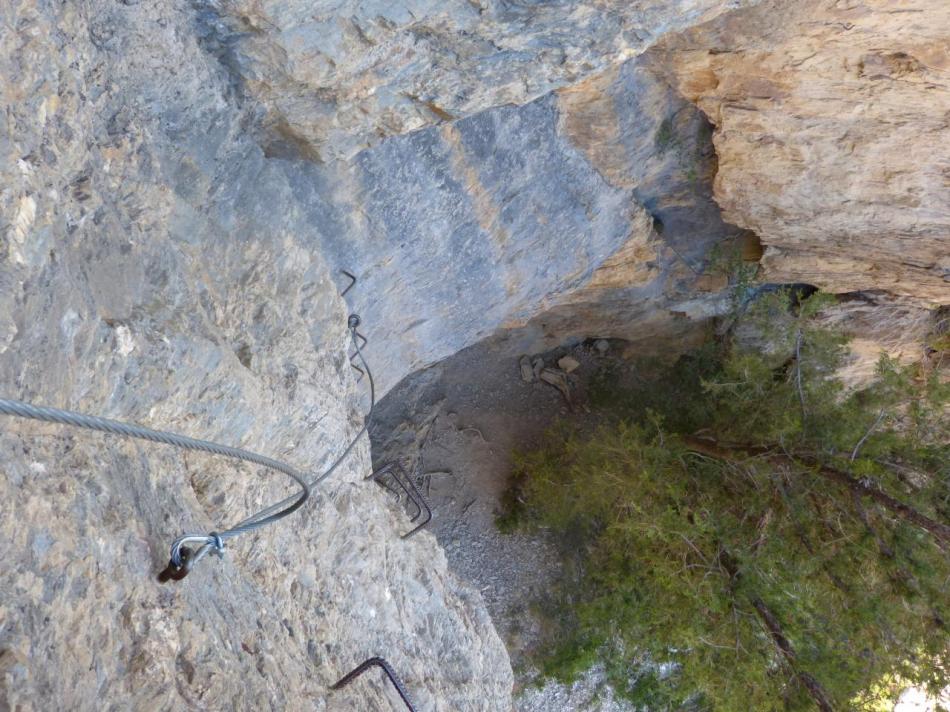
column 456, row 427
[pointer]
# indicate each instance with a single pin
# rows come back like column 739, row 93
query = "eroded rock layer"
column 833, row 135
column 339, row 76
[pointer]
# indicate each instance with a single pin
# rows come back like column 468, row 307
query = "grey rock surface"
column 545, row 219
column 339, row 75
column 153, row 269
column 166, row 260
column 466, row 230
column 181, row 186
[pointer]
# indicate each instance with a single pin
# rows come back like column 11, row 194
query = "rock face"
column 181, row 187
column 587, row 212
column 510, row 218
column 833, row 136
column 154, row 269
column 879, row 323
column 338, row 76
column 657, row 289
column 464, row 230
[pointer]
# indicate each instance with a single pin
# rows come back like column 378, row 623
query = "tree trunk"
column 814, row 687
column 774, row 628
column 940, row 531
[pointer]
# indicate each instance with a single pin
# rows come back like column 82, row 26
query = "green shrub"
column 735, row 548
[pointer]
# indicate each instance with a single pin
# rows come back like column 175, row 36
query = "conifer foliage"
column 746, row 534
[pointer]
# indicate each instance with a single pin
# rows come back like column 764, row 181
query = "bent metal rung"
column 380, row 663
column 399, row 475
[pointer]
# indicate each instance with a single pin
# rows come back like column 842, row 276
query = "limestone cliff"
column 155, row 269
column 833, row 136
column 337, row 77
column 181, row 186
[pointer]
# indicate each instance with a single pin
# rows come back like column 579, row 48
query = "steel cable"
column 336, row 463
column 212, row 540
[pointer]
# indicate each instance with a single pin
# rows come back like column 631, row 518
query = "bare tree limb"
column 939, row 530
column 882, row 545
column 857, row 448
column 798, row 373
column 774, row 628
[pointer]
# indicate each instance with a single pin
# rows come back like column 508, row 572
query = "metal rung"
column 366, row 665
column 399, row 475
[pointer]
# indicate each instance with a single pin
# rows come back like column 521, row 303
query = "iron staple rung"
column 399, row 475
column 366, row 665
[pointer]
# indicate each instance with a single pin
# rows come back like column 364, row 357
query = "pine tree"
column 759, row 538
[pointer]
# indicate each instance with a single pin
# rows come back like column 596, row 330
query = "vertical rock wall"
column 337, row 77
column 153, row 269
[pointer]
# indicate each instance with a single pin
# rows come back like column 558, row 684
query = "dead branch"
column 940, row 531
column 874, row 425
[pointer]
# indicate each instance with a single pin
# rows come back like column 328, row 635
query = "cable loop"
column 177, row 558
